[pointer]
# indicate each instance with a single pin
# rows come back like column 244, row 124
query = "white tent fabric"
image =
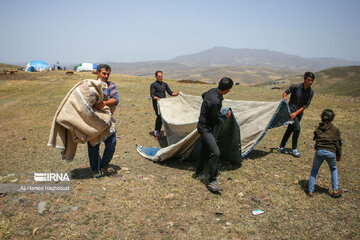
column 85, row 67
column 180, row 116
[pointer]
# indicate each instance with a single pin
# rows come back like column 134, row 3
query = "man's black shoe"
column 214, row 186
column 198, row 176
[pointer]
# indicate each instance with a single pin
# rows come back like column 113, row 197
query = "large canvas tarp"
column 180, row 116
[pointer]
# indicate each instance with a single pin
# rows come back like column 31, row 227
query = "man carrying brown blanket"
column 86, row 115
column 111, row 99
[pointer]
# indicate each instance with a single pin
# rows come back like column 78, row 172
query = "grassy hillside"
column 339, row 81
column 245, row 75
column 342, row 81
column 147, row 200
column 7, row 67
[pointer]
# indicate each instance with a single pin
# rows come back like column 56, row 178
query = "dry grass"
column 138, row 204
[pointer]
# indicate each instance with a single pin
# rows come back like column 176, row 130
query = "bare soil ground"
column 147, row 200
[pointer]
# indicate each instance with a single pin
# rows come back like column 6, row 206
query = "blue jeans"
column 330, row 158
column 93, row 152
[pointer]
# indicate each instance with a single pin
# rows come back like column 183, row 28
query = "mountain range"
column 221, row 56
column 246, row 66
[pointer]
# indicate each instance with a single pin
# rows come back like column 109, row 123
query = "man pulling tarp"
column 210, row 117
column 86, row 115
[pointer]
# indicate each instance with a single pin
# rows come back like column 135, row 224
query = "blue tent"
column 37, row 66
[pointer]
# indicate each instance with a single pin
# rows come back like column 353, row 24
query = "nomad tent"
column 37, row 66
column 236, row 137
column 85, row 67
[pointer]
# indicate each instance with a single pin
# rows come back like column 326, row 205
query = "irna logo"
column 52, row 177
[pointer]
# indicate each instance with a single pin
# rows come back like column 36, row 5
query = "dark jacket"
column 327, row 137
column 158, row 90
column 210, row 110
column 299, row 97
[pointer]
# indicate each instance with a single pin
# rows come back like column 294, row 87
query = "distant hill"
column 147, row 68
column 245, row 75
column 246, row 66
column 7, row 67
column 221, row 56
column 343, row 81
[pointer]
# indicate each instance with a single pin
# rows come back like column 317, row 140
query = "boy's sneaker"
column 282, row 150
column 336, row 193
column 295, row 153
column 214, row 186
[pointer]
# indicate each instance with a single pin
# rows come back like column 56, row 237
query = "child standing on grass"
column 328, row 147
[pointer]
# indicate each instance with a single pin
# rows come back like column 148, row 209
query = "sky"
column 132, row 31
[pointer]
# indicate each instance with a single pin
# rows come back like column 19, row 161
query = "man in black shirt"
column 209, row 117
column 157, row 91
column 301, row 95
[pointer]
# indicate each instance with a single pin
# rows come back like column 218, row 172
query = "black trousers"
column 210, row 152
column 293, row 129
column 158, row 121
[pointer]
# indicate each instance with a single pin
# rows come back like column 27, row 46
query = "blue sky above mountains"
column 129, row 31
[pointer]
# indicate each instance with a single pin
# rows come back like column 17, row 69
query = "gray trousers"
column 293, row 129
column 209, row 153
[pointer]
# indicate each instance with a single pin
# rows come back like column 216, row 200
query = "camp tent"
column 237, row 136
column 85, row 67
column 37, row 66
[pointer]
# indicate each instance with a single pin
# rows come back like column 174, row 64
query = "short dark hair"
column 225, row 84
column 327, row 115
column 101, row 66
column 309, row 74
column 157, row 73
